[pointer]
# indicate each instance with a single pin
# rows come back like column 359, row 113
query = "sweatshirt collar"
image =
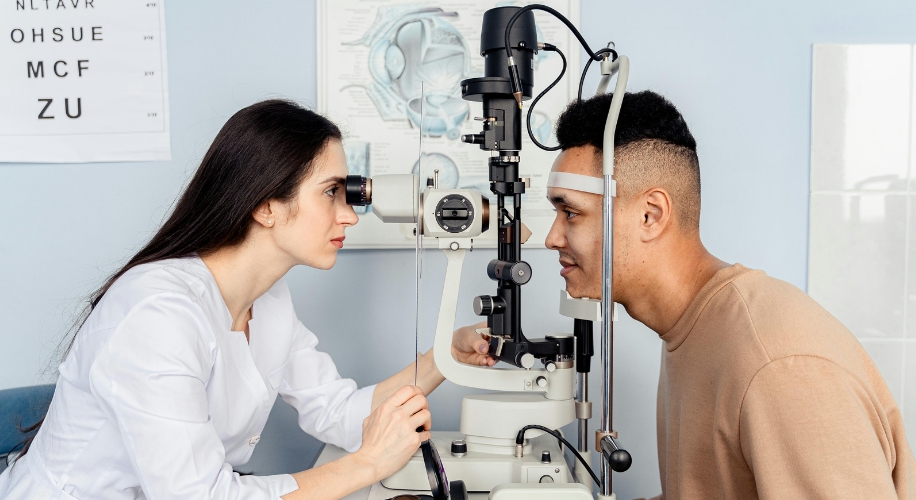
column 678, row 333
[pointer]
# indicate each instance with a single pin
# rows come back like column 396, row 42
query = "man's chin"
column 578, row 292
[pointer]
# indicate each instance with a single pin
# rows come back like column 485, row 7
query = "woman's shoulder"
column 187, row 279
column 167, row 302
column 183, row 275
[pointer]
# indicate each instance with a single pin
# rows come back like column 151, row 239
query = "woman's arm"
column 390, row 438
column 335, row 479
column 468, row 347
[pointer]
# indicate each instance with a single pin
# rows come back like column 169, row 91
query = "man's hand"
column 470, row 347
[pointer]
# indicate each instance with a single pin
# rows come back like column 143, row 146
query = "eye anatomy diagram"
column 389, row 73
column 414, row 44
column 448, row 171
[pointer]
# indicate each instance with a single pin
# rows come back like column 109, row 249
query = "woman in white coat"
column 169, row 380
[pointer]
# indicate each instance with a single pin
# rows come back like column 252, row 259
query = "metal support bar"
column 622, row 67
column 607, row 326
column 582, row 396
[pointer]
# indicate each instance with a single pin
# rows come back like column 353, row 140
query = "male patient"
column 762, row 393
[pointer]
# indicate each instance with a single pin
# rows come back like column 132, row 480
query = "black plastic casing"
column 523, row 39
column 494, row 89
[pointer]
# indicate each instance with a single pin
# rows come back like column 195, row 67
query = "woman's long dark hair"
column 262, row 153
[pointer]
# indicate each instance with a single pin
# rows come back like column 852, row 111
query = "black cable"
column 553, row 48
column 589, row 63
column 593, row 56
column 520, row 440
column 555, row 14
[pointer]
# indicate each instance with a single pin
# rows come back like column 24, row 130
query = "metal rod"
column 582, row 396
column 607, row 324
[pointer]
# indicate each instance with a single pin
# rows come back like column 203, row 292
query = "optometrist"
column 170, row 379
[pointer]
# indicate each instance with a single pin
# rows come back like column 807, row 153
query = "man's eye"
column 570, row 214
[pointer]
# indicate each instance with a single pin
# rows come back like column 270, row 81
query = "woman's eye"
column 332, row 191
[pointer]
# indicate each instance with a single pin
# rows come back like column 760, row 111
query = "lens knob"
column 487, row 305
column 459, row 448
column 516, row 272
column 483, row 305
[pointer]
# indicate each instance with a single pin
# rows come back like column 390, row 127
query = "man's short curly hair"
column 653, row 147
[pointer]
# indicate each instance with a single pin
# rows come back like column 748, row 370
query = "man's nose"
column 556, row 239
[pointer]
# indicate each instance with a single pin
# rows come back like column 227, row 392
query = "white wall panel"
column 857, row 257
column 860, row 120
column 862, row 230
column 910, row 251
column 909, row 389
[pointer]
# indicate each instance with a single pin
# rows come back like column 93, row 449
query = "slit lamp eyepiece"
column 358, row 190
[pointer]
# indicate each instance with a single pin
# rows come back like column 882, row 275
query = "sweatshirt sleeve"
column 809, row 429
column 330, row 407
column 151, row 380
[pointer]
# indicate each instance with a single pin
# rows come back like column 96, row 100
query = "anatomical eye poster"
column 83, row 81
column 389, row 73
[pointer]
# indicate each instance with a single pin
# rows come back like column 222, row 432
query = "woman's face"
column 311, row 229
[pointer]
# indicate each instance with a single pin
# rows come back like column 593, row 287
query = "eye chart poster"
column 83, row 81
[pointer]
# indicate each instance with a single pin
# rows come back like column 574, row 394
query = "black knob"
column 620, row 460
column 486, row 305
column 459, row 448
column 545, row 457
column 516, row 272
column 483, row 305
column 457, row 490
column 473, row 138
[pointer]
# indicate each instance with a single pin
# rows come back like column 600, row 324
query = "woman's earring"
column 270, row 223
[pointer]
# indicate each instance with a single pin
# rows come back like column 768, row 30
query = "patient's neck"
column 668, row 282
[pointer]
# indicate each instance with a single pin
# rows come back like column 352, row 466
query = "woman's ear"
column 264, row 215
column 656, row 213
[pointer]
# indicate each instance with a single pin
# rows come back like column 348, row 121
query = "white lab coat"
column 159, row 399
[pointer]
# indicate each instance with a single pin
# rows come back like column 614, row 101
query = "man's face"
column 577, row 228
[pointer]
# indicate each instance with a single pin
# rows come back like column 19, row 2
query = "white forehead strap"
column 576, row 182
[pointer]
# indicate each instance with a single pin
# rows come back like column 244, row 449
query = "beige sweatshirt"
column 764, row 394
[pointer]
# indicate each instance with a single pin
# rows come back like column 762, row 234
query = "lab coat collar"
column 269, row 341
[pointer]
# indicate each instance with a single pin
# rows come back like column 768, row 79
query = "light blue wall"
column 739, row 72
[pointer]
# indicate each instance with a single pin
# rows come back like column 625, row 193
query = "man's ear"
column 656, row 216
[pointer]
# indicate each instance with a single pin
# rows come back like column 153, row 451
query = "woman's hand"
column 470, row 347
column 390, row 434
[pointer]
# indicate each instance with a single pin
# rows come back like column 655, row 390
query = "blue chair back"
column 20, row 408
